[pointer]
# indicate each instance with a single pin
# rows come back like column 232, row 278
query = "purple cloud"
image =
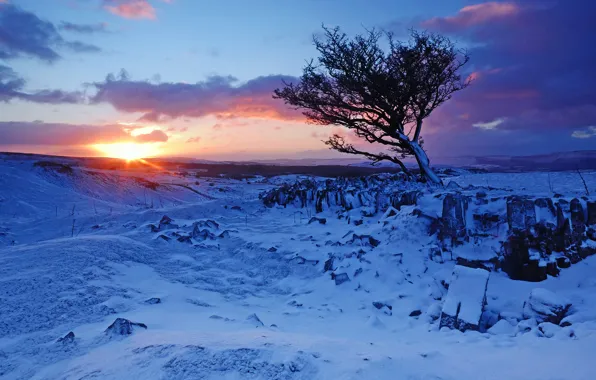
column 217, row 96
column 155, row 135
column 12, row 87
column 533, row 72
column 22, row 33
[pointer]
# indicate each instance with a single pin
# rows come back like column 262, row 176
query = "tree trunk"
column 424, row 163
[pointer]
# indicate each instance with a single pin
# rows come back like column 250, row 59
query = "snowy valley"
column 116, row 274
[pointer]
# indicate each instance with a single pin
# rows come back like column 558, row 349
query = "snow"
column 214, row 293
column 465, row 298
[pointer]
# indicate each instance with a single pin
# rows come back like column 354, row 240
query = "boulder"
column 166, row 222
column 340, row 278
column 521, row 213
column 591, row 207
column 328, row 265
column 546, row 306
column 153, row 301
column 67, row 339
column 202, row 234
column 363, row 240
column 406, row 198
column 453, row 218
column 578, row 221
column 415, row 313
column 465, row 299
column 254, row 320
column 314, row 219
column 123, row 327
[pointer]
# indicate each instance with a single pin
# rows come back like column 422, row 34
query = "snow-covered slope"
column 251, row 295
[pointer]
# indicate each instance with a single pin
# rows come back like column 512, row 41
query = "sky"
column 194, row 78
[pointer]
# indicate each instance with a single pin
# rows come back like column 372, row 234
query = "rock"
column 305, row 261
column 237, row 208
column 546, row 306
column 123, row 326
column 328, row 265
column 211, row 224
column 357, row 222
column 452, row 185
column 465, row 300
column 563, row 262
column 591, row 208
column 552, row 269
column 381, row 305
column 202, row 234
column 67, row 339
column 502, row 327
column 153, row 301
column 526, row 325
column 415, row 313
column 153, row 228
column 390, row 212
column 488, row 265
column 340, row 278
column 453, row 218
column 184, row 239
column 364, row 240
column 166, row 222
column 486, row 222
column 578, row 221
column 272, row 249
column 315, row 219
column 224, row 235
column 406, row 198
column 164, row 237
column 521, row 213
column 435, row 254
column 548, row 330
column 254, row 320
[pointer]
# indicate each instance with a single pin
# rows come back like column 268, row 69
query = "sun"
column 127, row 151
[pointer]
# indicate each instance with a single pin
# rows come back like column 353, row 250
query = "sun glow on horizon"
column 128, row 151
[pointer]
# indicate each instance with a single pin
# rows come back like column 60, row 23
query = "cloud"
column 132, row 9
column 532, row 69
column 83, row 28
column 473, row 15
column 39, row 133
column 585, row 133
column 490, row 125
column 193, row 140
column 12, row 87
column 154, row 136
column 217, row 96
column 22, row 33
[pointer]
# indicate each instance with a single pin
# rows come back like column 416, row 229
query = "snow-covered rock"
column 546, row 306
column 502, row 327
column 465, row 299
column 123, row 326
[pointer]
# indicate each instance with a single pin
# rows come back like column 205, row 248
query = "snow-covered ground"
column 77, row 251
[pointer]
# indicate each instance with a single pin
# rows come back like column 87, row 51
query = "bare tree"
column 382, row 96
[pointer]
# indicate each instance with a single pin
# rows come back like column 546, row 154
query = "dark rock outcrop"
column 123, row 327
column 67, row 339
